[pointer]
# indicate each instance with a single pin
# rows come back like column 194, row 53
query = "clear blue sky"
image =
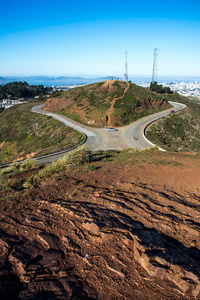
column 90, row 37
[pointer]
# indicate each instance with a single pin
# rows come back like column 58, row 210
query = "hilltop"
column 107, row 103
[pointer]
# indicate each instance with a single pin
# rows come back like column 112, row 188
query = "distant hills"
column 54, row 80
column 70, row 80
column 4, row 80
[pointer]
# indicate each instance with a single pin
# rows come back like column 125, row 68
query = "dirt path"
column 111, row 109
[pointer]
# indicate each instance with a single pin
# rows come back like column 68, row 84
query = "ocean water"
column 134, row 79
column 63, row 81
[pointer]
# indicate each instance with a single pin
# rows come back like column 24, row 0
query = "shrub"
column 28, row 164
column 12, row 168
column 90, row 167
column 75, row 157
column 158, row 88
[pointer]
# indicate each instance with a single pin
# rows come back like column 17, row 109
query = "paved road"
column 95, row 138
column 100, row 139
column 127, row 136
column 134, row 133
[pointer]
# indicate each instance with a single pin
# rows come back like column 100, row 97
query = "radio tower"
column 155, row 65
column 126, row 68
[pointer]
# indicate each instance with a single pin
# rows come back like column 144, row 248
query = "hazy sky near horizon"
column 72, row 38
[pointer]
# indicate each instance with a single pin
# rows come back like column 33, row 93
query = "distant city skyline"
column 89, row 39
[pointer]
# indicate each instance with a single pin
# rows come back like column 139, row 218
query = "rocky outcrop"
column 125, row 231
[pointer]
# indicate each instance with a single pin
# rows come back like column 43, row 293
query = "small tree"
column 158, row 88
column 167, row 90
column 153, row 86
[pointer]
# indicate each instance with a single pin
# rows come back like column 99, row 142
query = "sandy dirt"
column 124, row 231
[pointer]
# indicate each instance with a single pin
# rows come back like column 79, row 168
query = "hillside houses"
column 6, row 103
column 187, row 89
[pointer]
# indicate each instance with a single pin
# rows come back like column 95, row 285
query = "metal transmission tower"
column 126, row 68
column 155, row 65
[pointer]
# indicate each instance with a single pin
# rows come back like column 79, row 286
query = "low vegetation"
column 24, row 134
column 111, row 102
column 9, row 176
column 80, row 158
column 76, row 157
column 136, row 103
column 178, row 132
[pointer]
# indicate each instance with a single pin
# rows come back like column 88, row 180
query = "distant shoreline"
column 63, row 81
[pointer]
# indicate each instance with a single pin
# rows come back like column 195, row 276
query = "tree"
column 167, row 90
column 158, row 88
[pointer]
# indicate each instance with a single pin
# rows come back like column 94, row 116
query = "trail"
column 111, row 109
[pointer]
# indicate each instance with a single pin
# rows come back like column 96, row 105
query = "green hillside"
column 25, row 134
column 178, row 132
column 107, row 103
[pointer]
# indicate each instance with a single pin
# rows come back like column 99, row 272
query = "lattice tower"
column 155, row 65
column 126, row 68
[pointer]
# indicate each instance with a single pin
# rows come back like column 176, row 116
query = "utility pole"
column 155, row 65
column 126, row 68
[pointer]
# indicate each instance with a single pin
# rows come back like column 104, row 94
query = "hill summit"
column 107, row 103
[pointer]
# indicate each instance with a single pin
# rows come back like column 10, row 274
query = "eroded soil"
column 124, row 231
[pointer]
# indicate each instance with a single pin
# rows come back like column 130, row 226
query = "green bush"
column 75, row 157
column 90, row 167
column 28, row 164
column 158, row 88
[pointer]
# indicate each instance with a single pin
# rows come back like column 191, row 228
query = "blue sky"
column 72, row 38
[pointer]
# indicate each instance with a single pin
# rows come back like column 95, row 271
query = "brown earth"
column 94, row 104
column 110, row 111
column 125, row 231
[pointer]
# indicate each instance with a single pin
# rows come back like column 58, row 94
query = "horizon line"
column 94, row 76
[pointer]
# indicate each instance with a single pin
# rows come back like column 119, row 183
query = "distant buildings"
column 66, row 87
column 191, row 89
column 6, row 103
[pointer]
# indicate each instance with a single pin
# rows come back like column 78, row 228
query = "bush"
column 158, row 88
column 90, row 167
column 12, row 168
column 75, row 157
column 28, row 164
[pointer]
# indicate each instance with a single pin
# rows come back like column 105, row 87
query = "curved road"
column 128, row 136
column 95, row 138
column 137, row 128
column 100, row 139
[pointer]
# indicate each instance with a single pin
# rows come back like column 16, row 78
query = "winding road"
column 100, row 139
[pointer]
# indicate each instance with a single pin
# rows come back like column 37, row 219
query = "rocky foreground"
column 119, row 230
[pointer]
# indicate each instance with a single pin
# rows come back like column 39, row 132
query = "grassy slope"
column 23, row 133
column 138, row 102
column 179, row 131
column 18, row 177
column 93, row 102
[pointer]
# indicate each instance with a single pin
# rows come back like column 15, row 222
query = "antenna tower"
column 126, row 68
column 155, row 65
